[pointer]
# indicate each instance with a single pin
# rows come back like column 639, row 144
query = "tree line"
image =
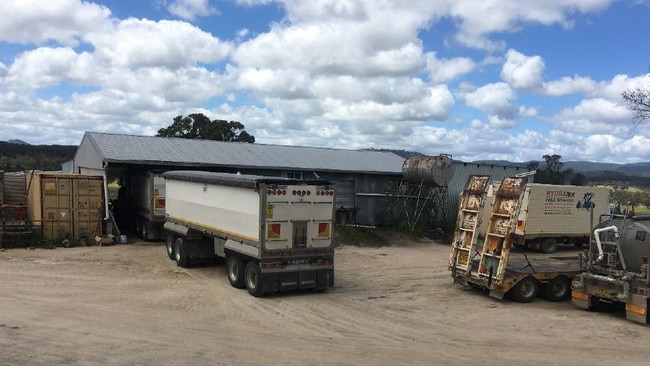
column 18, row 157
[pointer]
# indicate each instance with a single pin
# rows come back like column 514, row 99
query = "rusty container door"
column 56, row 203
column 88, row 199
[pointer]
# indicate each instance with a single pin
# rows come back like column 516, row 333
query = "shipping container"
column 66, row 207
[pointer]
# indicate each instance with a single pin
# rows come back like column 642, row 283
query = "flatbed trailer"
column 495, row 265
column 526, row 276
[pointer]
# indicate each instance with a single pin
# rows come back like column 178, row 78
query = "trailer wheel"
column 254, row 279
column 235, row 270
column 525, row 290
column 558, row 289
column 138, row 228
column 145, row 230
column 549, row 245
column 170, row 246
column 180, row 252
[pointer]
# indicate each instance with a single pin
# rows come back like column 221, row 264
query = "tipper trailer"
column 274, row 233
column 148, row 192
column 493, row 264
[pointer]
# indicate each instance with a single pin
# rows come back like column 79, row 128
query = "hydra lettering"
column 550, row 193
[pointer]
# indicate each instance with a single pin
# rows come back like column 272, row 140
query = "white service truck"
column 274, row 233
column 558, row 214
column 554, row 214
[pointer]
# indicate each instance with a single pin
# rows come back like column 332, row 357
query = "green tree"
column 552, row 172
column 198, row 126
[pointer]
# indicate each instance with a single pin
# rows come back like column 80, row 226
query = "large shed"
column 360, row 175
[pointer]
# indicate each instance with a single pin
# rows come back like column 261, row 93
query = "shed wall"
column 87, row 159
column 462, row 171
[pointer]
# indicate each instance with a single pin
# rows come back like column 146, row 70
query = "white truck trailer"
column 148, row 192
column 274, row 233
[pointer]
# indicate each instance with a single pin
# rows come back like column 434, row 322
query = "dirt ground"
column 130, row 305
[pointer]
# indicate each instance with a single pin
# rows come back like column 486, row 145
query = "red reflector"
column 284, row 192
column 324, row 262
column 160, row 203
column 274, row 231
column 303, row 192
column 269, row 191
column 308, row 193
column 294, row 192
column 323, row 229
column 271, row 265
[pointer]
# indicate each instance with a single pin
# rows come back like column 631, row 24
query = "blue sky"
column 477, row 80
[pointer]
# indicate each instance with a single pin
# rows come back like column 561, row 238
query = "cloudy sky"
column 491, row 79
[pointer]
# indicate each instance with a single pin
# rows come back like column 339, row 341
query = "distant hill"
column 19, row 142
column 640, row 169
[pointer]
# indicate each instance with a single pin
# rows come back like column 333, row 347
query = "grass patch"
column 359, row 236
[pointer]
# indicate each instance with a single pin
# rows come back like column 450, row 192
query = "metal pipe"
column 598, row 244
column 623, row 281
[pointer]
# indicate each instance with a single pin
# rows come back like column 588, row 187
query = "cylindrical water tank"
column 633, row 241
column 14, row 190
column 428, row 170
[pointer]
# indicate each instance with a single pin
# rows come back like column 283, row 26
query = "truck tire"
column 170, row 246
column 138, row 228
column 145, row 230
column 549, row 245
column 180, row 253
column 557, row 289
column 235, row 271
column 525, row 290
column 253, row 279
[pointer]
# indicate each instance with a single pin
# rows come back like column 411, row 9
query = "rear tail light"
column 271, row 265
column 324, row 262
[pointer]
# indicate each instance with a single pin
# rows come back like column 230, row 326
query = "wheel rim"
column 527, row 289
column 559, row 288
column 233, row 270
column 170, row 248
column 549, row 246
column 178, row 251
column 251, row 279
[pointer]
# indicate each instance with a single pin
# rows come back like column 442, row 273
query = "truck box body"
column 554, row 214
column 560, row 210
column 284, row 226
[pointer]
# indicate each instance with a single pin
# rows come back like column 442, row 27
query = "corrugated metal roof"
column 118, row 148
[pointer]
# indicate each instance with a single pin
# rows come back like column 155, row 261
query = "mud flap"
column 284, row 281
column 636, row 309
column 324, row 278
